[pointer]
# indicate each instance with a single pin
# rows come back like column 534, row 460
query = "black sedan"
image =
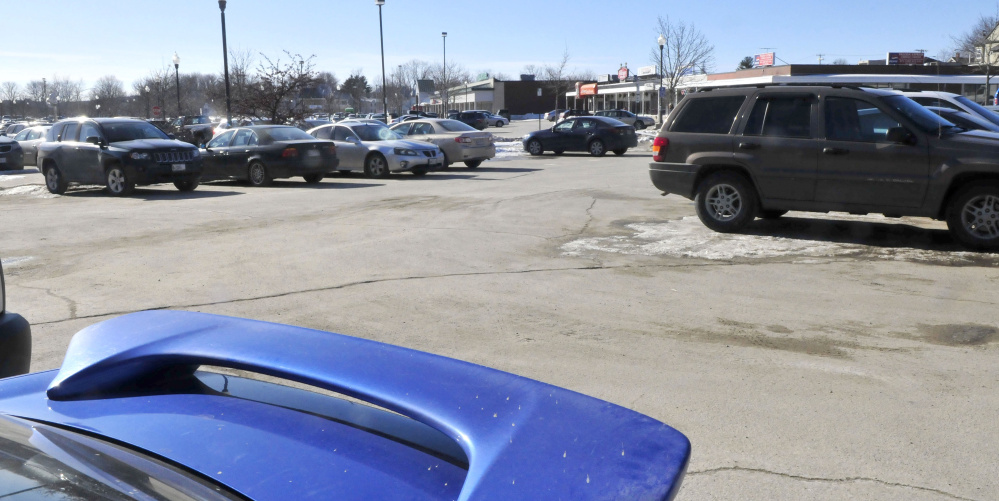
column 11, row 155
column 262, row 153
column 596, row 135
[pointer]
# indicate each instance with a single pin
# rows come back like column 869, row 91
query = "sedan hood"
column 153, row 144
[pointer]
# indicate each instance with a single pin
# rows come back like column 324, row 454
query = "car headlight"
column 197, row 153
column 406, row 152
column 135, row 155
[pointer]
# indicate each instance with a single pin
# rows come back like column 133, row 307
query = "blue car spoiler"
column 524, row 439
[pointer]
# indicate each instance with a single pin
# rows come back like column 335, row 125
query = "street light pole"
column 444, row 72
column 176, row 72
column 662, row 43
column 381, row 37
column 147, row 102
column 225, row 60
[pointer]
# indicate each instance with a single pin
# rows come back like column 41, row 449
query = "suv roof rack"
column 782, row 84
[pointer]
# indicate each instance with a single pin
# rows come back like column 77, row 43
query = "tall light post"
column 176, row 72
column 225, row 60
column 147, row 101
column 662, row 43
column 381, row 37
column 444, row 77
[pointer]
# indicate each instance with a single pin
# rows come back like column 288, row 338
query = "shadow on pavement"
column 152, row 195
column 872, row 233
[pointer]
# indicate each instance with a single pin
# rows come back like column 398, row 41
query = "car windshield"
column 286, row 134
column 925, row 119
column 374, row 133
column 456, row 126
column 130, row 131
column 979, row 109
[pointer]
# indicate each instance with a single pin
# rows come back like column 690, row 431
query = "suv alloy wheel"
column 726, row 202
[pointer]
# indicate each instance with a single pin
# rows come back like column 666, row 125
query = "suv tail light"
column 289, row 153
column 659, row 147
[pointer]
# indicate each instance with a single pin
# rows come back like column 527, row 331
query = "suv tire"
column 726, row 202
column 54, row 180
column 186, row 184
column 973, row 216
column 119, row 180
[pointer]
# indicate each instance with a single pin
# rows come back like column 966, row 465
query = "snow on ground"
column 35, row 190
column 14, row 261
column 687, row 237
column 509, row 149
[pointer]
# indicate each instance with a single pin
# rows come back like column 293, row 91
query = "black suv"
column 475, row 119
column 117, row 153
column 742, row 153
column 196, row 130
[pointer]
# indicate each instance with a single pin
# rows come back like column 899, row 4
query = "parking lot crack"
column 370, row 282
column 69, row 302
column 829, row 480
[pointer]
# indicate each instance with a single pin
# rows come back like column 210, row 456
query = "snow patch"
column 689, row 238
column 14, row 261
column 509, row 150
column 7, row 177
column 27, row 189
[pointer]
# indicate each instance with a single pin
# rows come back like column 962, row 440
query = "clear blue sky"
column 89, row 39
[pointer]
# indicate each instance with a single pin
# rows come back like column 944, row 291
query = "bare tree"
column 685, row 52
column 277, row 94
column 558, row 79
column 241, row 77
column 841, row 61
column 328, row 83
column 108, row 93
column 9, row 91
column 455, row 75
column 415, row 70
column 971, row 42
column 356, row 88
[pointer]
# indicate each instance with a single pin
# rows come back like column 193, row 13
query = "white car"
column 637, row 121
column 377, row 150
column 492, row 119
column 953, row 101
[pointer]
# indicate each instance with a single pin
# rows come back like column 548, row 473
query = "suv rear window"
column 709, row 115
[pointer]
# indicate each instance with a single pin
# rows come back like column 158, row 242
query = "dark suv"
column 117, row 153
column 742, row 153
column 475, row 119
column 196, row 130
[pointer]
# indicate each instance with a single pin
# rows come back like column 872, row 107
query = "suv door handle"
column 749, row 146
column 835, row 151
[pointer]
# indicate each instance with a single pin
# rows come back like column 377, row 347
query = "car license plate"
column 313, row 153
column 179, row 167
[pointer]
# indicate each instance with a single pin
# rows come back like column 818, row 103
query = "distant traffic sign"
column 157, row 111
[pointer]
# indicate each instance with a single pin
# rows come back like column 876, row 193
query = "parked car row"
column 121, row 154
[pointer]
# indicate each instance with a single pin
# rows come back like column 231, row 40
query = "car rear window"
column 709, row 115
column 455, row 126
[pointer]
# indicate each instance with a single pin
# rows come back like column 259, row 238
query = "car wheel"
column 54, row 180
column 771, row 214
column 499, row 124
column 597, row 148
column 471, row 164
column 445, row 161
column 119, row 181
column 313, row 178
column 376, row 166
column 973, row 217
column 534, row 147
column 726, row 202
column 639, row 124
column 420, row 171
column 257, row 174
column 186, row 185
column 621, row 151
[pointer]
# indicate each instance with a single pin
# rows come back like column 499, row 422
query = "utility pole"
column 821, row 56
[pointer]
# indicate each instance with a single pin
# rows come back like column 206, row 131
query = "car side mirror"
column 900, row 135
column 94, row 140
column 352, row 139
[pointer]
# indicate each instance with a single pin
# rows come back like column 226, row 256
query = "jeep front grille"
column 174, row 156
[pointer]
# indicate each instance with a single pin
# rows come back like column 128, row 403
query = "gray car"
column 637, row 121
column 29, row 139
column 377, row 150
column 458, row 141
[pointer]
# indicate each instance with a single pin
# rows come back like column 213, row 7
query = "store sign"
column 588, row 90
column 766, row 59
column 622, row 74
column 896, row 58
column 645, row 71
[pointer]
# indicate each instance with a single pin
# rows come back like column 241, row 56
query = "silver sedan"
column 29, row 139
column 378, row 151
column 458, row 141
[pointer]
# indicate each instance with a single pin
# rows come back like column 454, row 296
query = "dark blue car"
column 133, row 414
column 597, row 135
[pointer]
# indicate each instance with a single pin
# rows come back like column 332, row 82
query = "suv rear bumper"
column 674, row 178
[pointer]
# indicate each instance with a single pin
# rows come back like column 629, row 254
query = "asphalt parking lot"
column 812, row 357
